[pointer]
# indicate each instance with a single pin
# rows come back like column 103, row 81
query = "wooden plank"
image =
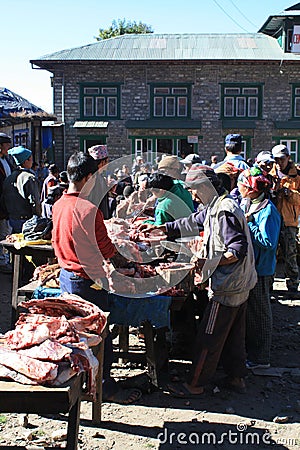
column 18, row 398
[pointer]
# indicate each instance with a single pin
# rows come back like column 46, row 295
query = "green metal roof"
column 170, row 47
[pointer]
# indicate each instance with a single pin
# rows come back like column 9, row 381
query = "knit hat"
column 4, row 138
column 254, row 179
column 199, row 173
column 98, row 152
column 20, row 154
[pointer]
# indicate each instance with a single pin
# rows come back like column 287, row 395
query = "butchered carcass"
column 48, row 351
column 83, row 315
column 39, row 371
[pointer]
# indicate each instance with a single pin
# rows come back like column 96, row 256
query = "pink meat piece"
column 33, row 329
column 83, row 315
column 65, row 373
column 48, row 351
column 11, row 374
column 34, row 369
column 83, row 359
column 27, row 335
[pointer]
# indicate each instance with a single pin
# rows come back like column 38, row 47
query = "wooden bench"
column 18, row 398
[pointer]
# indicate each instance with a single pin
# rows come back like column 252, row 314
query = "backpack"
column 37, row 228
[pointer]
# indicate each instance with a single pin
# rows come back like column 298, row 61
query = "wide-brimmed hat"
column 169, row 162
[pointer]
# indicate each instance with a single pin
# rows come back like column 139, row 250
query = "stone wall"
column 205, row 78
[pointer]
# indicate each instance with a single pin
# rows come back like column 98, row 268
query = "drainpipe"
column 63, row 119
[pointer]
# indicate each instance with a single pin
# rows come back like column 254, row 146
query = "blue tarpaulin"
column 14, row 103
column 128, row 311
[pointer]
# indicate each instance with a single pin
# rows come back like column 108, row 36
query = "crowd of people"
column 243, row 209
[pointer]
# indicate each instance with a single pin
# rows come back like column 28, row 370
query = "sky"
column 33, row 28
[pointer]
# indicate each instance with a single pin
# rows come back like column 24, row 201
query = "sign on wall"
column 296, row 39
column 192, row 139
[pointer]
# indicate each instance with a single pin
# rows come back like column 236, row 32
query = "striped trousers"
column 221, row 338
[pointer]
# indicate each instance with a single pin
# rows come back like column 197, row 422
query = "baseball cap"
column 265, row 156
column 4, row 138
column 233, row 139
column 192, row 158
column 280, row 150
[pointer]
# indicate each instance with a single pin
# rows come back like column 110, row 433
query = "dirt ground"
column 267, row 415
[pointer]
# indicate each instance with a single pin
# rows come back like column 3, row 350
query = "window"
column 241, row 101
column 100, row 102
column 292, row 145
column 296, row 101
column 170, row 101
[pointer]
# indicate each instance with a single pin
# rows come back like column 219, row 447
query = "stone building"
column 180, row 93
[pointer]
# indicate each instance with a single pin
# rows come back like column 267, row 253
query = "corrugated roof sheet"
column 147, row 47
column 14, row 104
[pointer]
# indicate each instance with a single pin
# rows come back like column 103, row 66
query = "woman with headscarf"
column 264, row 226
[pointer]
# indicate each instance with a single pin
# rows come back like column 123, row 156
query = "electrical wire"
column 231, row 18
column 241, row 12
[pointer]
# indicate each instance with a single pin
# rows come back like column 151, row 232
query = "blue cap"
column 20, row 154
column 233, row 139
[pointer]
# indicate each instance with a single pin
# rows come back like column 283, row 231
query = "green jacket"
column 175, row 204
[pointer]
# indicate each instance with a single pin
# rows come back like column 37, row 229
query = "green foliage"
column 120, row 27
column 3, row 419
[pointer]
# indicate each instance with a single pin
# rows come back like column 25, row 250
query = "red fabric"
column 79, row 236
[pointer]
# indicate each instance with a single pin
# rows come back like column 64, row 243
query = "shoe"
column 251, row 365
column 6, row 268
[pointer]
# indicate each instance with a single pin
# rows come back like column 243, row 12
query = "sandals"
column 179, row 390
column 124, row 397
column 141, row 382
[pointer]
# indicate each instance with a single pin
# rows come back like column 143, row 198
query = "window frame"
column 294, row 97
column 236, row 98
column 170, row 93
column 95, row 97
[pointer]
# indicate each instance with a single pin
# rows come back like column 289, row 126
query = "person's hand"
column 146, row 228
column 199, row 264
column 249, row 217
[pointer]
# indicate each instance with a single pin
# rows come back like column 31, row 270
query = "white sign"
column 192, row 139
column 296, row 39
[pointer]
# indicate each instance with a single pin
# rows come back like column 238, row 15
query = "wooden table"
column 17, row 254
column 18, row 398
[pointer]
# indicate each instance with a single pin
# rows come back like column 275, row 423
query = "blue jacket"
column 264, row 230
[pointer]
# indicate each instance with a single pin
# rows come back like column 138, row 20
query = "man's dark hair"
column 80, row 165
column 63, row 176
column 53, row 169
column 235, row 148
column 225, row 180
column 160, row 181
